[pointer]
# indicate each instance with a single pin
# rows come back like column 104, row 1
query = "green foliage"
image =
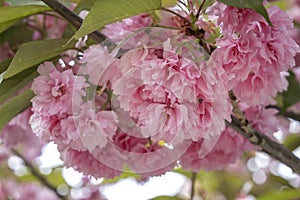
column 24, row 2
column 109, row 11
column 168, row 3
column 11, row 86
column 33, row 53
column 84, row 5
column 289, row 194
column 257, row 5
column 11, row 14
column 16, row 35
column 292, row 141
column 14, row 106
column 291, row 96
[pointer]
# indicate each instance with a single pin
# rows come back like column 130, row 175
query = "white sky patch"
column 169, row 184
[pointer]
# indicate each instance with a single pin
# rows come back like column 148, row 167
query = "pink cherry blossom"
column 170, row 96
column 95, row 128
column 128, row 27
column 253, row 54
column 99, row 64
column 56, row 91
column 18, row 134
column 227, row 150
column 85, row 162
column 147, row 158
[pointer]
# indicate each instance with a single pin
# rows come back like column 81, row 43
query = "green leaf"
column 169, row 3
column 289, row 194
column 291, row 96
column 14, row 106
column 11, row 86
column 109, row 11
column 24, row 2
column 292, row 141
column 17, row 34
column 84, row 5
column 166, row 198
column 4, row 64
column 257, row 5
column 11, row 14
column 33, row 53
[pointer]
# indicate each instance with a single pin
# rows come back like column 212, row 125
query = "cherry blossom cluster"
column 160, row 98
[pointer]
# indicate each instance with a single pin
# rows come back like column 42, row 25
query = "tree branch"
column 278, row 151
column 73, row 19
column 36, row 174
column 193, row 180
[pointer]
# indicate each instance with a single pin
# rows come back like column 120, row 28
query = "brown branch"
column 38, row 176
column 72, row 18
column 193, row 180
column 278, row 151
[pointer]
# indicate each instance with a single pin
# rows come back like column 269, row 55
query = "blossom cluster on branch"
column 160, row 98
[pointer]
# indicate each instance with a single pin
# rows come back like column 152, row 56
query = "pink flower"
column 99, row 64
column 95, row 128
column 227, row 150
column 119, row 31
column 262, row 119
column 85, row 162
column 170, row 97
column 56, row 91
column 253, row 54
column 144, row 158
column 18, row 134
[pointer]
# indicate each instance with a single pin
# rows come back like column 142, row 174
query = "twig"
column 72, row 18
column 288, row 114
column 199, row 10
column 274, row 149
column 36, row 174
column 193, row 179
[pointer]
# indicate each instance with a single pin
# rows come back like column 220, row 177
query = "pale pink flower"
column 254, row 54
column 89, row 165
column 18, row 134
column 146, row 158
column 169, row 96
column 99, row 64
column 127, row 30
column 56, row 91
column 95, row 128
column 227, row 150
column 257, row 90
column 262, row 119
